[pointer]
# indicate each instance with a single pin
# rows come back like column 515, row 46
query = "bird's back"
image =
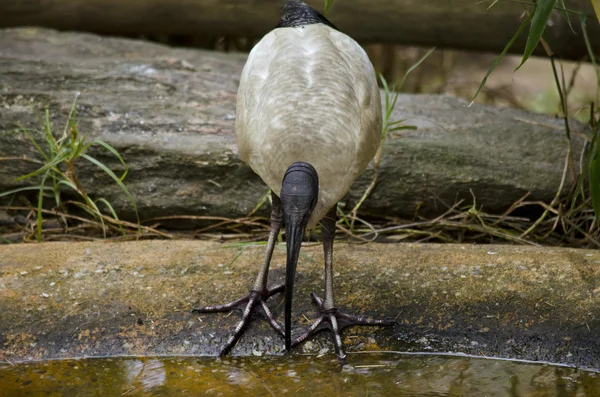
column 309, row 93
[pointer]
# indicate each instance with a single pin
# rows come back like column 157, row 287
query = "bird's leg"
column 259, row 293
column 330, row 317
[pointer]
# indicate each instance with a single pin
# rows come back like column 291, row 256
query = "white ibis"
column 308, row 122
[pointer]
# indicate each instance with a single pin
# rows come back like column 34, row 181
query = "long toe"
column 253, row 300
column 335, row 321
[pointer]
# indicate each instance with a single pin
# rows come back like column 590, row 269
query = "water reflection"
column 372, row 375
column 144, row 374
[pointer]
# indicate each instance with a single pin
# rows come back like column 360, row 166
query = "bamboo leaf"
column 565, row 14
column 328, row 4
column 493, row 4
column 502, row 54
column 596, row 5
column 541, row 15
column 586, row 38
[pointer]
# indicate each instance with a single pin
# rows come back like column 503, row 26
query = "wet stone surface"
column 61, row 300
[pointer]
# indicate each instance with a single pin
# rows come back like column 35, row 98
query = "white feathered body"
column 309, row 94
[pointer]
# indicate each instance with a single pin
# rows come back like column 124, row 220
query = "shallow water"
column 364, row 375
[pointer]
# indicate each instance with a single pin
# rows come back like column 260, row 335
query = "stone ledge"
column 97, row 299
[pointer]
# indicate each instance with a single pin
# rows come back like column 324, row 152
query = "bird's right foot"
column 252, row 301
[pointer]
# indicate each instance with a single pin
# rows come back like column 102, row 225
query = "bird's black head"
column 299, row 193
column 296, row 13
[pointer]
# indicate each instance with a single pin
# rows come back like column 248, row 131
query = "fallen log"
column 170, row 113
column 461, row 24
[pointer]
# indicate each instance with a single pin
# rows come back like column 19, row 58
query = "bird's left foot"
column 253, row 300
column 335, row 321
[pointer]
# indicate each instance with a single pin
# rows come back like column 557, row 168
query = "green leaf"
column 502, row 54
column 541, row 15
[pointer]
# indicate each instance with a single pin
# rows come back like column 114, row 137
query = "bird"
column 308, row 122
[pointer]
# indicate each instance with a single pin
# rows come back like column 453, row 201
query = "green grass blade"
column 414, row 66
column 595, row 178
column 71, row 117
column 541, row 15
column 98, row 214
column 502, row 54
column 34, row 143
column 22, row 189
column 404, row 127
column 386, row 89
column 57, row 160
column 392, row 123
column 113, row 151
column 53, row 145
column 40, row 218
column 115, row 178
column 69, row 184
column 112, row 211
column 92, row 209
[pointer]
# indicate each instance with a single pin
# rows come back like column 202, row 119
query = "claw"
column 252, row 299
column 335, row 321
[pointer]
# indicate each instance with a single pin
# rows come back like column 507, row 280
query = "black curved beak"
column 299, row 192
column 294, row 232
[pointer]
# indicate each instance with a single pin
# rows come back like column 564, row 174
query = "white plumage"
column 309, row 94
